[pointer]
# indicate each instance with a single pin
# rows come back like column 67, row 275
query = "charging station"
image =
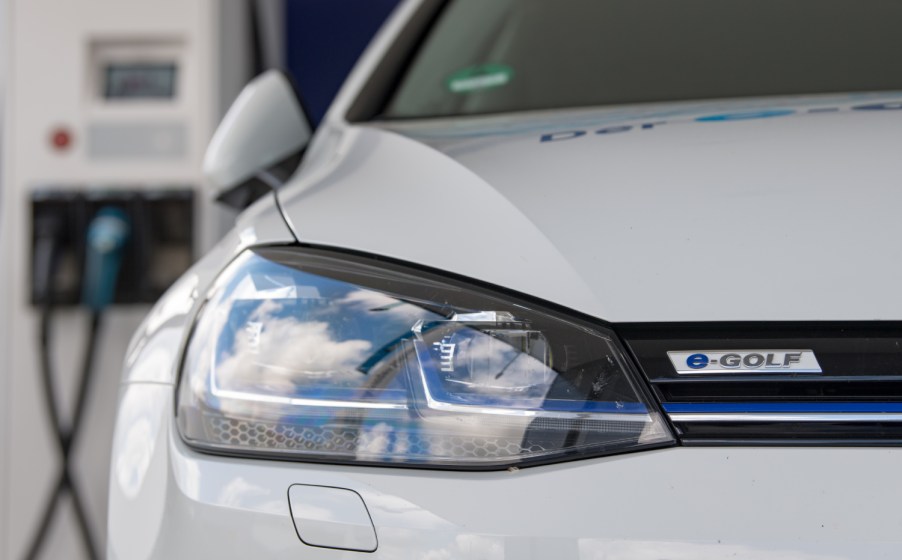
column 109, row 108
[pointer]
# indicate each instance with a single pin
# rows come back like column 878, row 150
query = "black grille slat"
column 779, row 390
column 788, row 432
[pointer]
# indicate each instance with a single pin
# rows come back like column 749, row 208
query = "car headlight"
column 309, row 355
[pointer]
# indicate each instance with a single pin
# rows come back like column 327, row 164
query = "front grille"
column 856, row 400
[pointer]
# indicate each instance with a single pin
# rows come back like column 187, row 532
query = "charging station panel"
column 159, row 249
column 109, row 106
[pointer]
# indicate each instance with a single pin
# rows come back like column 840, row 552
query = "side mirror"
column 264, row 130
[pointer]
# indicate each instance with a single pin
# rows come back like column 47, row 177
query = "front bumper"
column 168, row 501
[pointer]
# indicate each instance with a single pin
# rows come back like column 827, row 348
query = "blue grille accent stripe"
column 784, row 407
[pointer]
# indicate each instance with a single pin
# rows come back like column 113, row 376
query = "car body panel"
column 747, row 210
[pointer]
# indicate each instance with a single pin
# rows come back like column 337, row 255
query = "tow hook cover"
column 329, row 517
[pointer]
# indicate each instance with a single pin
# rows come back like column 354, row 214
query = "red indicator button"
column 61, row 139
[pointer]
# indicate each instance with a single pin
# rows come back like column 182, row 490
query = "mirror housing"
column 266, row 127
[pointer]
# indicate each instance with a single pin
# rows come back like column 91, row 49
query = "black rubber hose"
column 46, row 262
column 37, row 539
column 84, row 384
column 47, row 256
column 81, row 516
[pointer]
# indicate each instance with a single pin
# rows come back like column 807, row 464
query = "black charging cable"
column 65, row 435
column 101, row 276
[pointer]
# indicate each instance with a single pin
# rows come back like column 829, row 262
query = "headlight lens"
column 305, row 354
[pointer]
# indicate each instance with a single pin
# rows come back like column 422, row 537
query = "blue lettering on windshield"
column 893, row 106
column 568, row 135
column 614, row 129
column 747, row 115
column 724, row 117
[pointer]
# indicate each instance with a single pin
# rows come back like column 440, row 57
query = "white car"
column 590, row 279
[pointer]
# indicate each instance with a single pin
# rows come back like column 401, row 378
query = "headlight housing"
column 312, row 355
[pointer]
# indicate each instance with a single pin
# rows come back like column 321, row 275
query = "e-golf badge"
column 696, row 362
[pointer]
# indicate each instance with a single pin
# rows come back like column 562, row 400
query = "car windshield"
column 515, row 55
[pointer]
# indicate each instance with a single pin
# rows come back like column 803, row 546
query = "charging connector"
column 107, row 236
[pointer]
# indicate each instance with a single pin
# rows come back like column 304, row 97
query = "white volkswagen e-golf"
column 583, row 279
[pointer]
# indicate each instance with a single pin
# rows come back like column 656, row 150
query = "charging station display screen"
column 140, row 81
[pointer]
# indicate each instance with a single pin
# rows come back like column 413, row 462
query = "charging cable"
column 106, row 239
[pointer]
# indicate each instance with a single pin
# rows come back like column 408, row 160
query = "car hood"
column 753, row 210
